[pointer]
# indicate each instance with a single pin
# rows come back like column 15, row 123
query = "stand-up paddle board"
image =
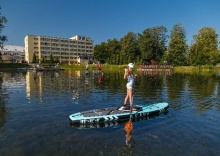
column 117, row 113
column 116, row 122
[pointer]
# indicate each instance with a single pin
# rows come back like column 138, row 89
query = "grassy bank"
column 193, row 69
column 94, row 67
column 178, row 69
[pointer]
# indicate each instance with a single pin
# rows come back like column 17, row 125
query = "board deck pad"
column 113, row 114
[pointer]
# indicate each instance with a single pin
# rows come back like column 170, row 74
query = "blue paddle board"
column 111, row 114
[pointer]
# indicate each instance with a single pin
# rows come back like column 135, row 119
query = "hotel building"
column 12, row 53
column 77, row 49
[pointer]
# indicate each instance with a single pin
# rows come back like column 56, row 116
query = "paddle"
column 128, row 128
column 129, row 125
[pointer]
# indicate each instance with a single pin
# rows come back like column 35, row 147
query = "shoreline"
column 176, row 69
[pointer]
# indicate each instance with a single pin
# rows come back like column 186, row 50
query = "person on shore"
column 130, row 77
column 87, row 66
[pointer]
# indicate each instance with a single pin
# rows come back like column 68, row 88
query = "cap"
column 131, row 65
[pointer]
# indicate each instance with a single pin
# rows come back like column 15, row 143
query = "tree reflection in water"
column 3, row 109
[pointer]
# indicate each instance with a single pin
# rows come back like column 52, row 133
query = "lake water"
column 34, row 110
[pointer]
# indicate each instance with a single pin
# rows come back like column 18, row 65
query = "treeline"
column 44, row 60
column 152, row 46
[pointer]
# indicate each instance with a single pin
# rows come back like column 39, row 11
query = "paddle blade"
column 128, row 126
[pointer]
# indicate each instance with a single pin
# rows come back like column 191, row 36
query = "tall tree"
column 152, row 43
column 3, row 38
column 204, row 48
column 177, row 47
column 51, row 59
column 113, row 48
column 101, row 52
column 129, row 48
column 35, row 60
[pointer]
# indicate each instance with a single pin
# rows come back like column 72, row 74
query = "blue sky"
column 104, row 19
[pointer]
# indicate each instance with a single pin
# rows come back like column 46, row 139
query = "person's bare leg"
column 130, row 97
column 126, row 98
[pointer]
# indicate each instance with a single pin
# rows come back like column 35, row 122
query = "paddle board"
column 113, row 114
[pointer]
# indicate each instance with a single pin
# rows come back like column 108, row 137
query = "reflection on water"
column 117, row 123
column 4, row 110
column 129, row 140
column 128, row 129
column 41, row 84
column 34, row 108
column 156, row 73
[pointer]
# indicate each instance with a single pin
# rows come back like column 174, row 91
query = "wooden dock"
column 155, row 67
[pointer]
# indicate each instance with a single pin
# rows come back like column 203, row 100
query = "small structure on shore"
column 55, row 67
column 155, row 67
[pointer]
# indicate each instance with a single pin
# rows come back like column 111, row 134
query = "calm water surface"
column 34, row 110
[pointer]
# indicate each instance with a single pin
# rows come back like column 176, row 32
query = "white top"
column 130, row 81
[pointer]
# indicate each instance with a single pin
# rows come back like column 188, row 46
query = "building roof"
column 13, row 48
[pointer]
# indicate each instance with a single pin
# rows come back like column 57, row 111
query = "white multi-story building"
column 11, row 53
column 77, row 49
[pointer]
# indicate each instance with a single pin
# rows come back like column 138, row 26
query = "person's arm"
column 126, row 73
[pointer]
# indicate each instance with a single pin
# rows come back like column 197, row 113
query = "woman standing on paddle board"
column 130, row 77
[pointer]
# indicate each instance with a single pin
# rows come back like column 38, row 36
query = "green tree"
column 152, row 43
column 101, row 52
column 51, row 59
column 34, row 59
column 57, row 60
column 129, row 48
column 204, row 48
column 113, row 48
column 3, row 38
column 177, row 47
column 43, row 60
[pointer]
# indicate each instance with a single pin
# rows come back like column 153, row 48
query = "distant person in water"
column 130, row 77
column 99, row 67
column 100, row 77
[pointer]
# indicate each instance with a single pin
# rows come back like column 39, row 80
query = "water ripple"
column 34, row 110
